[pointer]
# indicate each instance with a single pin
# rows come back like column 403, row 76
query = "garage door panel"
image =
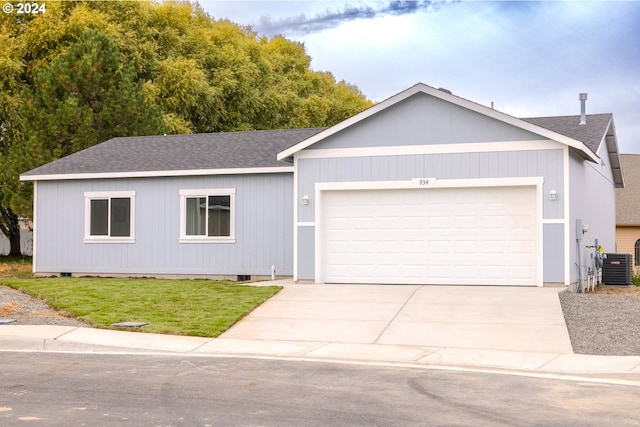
column 439, row 236
column 493, row 272
column 466, row 222
column 520, row 272
column 465, row 247
column 466, row 272
column 438, row 222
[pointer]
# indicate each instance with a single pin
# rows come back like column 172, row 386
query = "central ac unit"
column 616, row 269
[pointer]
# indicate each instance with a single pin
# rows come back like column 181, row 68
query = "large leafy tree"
column 83, row 97
column 11, row 68
column 86, row 71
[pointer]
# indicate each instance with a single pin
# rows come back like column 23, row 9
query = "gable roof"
column 170, row 155
column 580, row 146
column 591, row 133
column 628, row 198
column 598, row 129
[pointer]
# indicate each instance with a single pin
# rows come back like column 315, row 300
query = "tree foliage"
column 86, row 71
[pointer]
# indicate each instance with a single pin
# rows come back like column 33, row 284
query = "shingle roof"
column 226, row 150
column 591, row 133
column 628, row 198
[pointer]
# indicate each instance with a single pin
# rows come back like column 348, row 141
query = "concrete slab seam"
column 203, row 344
column 68, row 332
column 549, row 361
column 397, row 314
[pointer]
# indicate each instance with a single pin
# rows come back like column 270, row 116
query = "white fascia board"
column 151, row 174
column 433, row 183
column 437, row 93
column 473, row 147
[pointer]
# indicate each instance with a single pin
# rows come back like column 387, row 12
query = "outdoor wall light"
column 553, row 194
column 305, row 200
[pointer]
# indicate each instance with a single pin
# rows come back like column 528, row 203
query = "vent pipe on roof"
column 583, row 100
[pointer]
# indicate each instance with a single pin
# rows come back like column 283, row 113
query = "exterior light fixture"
column 305, row 200
column 553, row 195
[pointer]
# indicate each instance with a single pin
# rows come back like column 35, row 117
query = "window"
column 636, row 253
column 109, row 216
column 207, row 215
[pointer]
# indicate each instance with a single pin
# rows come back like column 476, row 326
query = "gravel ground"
column 27, row 310
column 605, row 322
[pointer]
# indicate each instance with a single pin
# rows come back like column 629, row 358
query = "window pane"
column 196, row 211
column 637, row 253
column 219, row 216
column 120, row 217
column 99, row 218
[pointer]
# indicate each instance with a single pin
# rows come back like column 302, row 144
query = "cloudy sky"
column 529, row 58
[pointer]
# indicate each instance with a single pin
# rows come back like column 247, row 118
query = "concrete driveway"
column 475, row 317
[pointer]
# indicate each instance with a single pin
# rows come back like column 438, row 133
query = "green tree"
column 86, row 71
column 83, row 97
column 10, row 70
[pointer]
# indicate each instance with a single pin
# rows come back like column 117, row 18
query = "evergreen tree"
column 84, row 97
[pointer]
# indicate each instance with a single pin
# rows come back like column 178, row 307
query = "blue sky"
column 529, row 58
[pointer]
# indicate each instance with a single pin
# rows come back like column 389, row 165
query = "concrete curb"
column 88, row 340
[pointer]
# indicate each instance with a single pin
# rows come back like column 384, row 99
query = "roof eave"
column 154, row 174
column 611, row 140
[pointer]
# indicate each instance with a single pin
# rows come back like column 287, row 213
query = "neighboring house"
column 628, row 210
column 424, row 187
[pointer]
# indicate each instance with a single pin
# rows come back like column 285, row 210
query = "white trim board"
column 474, row 147
column 433, row 183
column 426, row 184
column 567, row 214
column 97, row 195
column 151, row 174
column 34, row 236
column 205, row 193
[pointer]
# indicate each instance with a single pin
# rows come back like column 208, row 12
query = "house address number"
column 424, row 182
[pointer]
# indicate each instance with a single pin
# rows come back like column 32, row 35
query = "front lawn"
column 182, row 307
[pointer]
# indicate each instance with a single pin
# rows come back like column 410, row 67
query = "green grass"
column 182, row 307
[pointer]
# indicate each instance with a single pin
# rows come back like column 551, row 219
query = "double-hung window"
column 109, row 216
column 207, row 215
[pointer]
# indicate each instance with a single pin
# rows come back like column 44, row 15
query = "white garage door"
column 467, row 236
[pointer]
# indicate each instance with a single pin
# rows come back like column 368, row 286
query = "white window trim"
column 95, row 195
column 231, row 192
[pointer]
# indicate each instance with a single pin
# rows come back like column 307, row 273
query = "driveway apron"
column 477, row 317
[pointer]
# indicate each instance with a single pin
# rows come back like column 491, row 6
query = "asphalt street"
column 56, row 389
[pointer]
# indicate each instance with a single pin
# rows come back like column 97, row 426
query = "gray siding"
column 592, row 199
column 423, row 119
column 545, row 163
column 306, row 252
column 263, row 231
column 553, row 253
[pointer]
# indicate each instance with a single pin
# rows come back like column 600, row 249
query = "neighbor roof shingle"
column 628, row 198
column 226, row 150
